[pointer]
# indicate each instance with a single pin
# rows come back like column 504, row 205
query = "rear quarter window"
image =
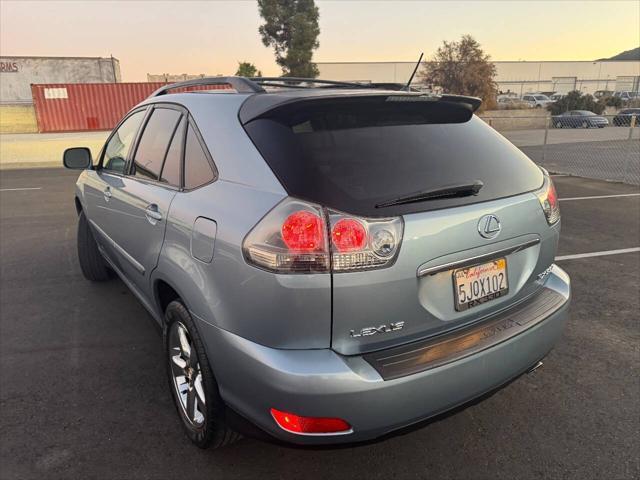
column 197, row 169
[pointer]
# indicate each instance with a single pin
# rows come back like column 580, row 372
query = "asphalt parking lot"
column 83, row 392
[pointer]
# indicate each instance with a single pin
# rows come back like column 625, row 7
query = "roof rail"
column 253, row 85
column 239, row 84
column 268, row 81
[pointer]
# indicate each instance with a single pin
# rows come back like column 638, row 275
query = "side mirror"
column 77, row 158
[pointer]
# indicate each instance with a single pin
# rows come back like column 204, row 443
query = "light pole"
column 539, row 74
column 599, row 72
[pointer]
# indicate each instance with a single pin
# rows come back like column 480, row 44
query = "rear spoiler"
column 473, row 102
column 257, row 106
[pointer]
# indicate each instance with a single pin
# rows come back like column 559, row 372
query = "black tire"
column 213, row 431
column 93, row 266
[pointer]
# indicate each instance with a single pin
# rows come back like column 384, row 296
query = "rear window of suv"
column 353, row 154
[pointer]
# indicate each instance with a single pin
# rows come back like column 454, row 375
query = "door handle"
column 152, row 214
column 107, row 194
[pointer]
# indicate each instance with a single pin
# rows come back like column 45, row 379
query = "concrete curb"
column 24, row 165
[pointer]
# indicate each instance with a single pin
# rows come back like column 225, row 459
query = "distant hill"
column 628, row 55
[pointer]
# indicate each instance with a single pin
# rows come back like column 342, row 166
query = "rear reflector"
column 309, row 425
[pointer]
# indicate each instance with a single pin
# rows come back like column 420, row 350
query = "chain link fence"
column 605, row 147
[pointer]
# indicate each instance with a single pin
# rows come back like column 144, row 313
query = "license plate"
column 479, row 284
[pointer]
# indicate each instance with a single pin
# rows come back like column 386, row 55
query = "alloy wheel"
column 186, row 374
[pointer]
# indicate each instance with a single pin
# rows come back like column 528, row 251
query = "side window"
column 197, row 169
column 116, row 150
column 171, row 169
column 153, row 145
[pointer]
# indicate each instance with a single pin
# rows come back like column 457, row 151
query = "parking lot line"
column 594, row 197
column 19, row 189
column 598, row 254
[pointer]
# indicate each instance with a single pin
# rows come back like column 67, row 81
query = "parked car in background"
column 603, row 94
column 557, row 96
column 626, row 96
column 506, row 103
column 537, row 100
column 579, row 119
column 624, row 117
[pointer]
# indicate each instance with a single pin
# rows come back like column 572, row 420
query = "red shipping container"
column 73, row 107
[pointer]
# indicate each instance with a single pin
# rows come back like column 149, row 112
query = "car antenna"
column 407, row 87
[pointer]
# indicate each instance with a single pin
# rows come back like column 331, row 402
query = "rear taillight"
column 549, row 201
column 309, row 425
column 360, row 244
column 348, row 235
column 293, row 238
column 303, row 231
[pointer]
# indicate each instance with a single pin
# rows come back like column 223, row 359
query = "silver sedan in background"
column 579, row 119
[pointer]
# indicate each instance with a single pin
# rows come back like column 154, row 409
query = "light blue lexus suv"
column 329, row 262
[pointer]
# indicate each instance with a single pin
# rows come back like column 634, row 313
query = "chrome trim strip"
column 476, row 259
column 450, row 347
column 137, row 265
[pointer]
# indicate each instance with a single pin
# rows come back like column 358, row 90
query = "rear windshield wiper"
column 451, row 191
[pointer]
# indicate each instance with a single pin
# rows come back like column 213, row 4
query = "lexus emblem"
column 489, row 226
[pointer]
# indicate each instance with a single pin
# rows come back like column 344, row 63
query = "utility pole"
column 113, row 68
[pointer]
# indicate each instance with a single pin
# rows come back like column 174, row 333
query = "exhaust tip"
column 535, row 367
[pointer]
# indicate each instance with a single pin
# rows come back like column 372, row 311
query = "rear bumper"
column 322, row 383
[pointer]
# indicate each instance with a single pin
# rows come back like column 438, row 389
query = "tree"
column 575, row 100
column 291, row 27
column 247, row 69
column 462, row 68
column 613, row 101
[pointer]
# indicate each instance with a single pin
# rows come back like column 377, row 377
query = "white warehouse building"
column 519, row 77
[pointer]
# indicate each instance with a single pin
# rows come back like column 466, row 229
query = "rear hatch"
column 368, row 156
